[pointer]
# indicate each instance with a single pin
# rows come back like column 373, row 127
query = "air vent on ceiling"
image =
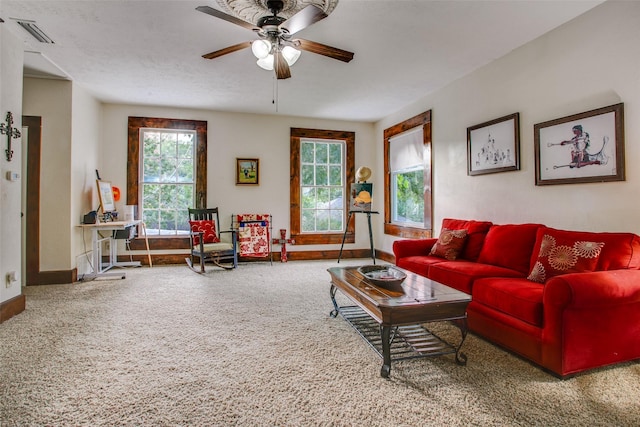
column 35, row 31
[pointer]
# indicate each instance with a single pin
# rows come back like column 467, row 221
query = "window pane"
column 336, row 199
column 335, row 154
column 335, row 175
column 335, row 221
column 322, row 153
column 185, row 146
column 308, row 198
column 307, row 175
column 322, row 175
column 168, row 180
column 307, row 151
column 185, row 170
column 409, row 196
column 322, row 220
column 322, row 180
column 168, row 167
column 150, row 218
column 308, row 220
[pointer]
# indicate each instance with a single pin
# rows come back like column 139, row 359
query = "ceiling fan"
column 276, row 49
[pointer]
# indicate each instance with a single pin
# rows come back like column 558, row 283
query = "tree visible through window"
column 167, row 178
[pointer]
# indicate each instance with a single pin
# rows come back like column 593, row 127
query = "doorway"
column 32, row 125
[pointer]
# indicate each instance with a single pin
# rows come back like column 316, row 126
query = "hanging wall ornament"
column 6, row 129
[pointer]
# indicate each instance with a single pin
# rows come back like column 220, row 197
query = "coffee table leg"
column 461, row 358
column 385, row 332
column 336, row 309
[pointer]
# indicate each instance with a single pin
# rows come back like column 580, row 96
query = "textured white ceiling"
column 150, row 52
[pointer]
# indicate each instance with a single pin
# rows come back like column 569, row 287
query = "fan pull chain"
column 274, row 101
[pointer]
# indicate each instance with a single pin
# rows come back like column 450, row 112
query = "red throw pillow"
column 208, row 227
column 562, row 255
column 449, row 244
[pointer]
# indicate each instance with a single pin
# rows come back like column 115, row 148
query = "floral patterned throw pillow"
column 449, row 244
column 562, row 256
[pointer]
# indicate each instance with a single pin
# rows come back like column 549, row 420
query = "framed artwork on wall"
column 494, row 146
column 247, row 171
column 585, row 147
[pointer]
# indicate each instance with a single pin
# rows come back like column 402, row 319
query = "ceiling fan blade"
column 218, row 14
column 226, row 50
column 301, row 20
column 323, row 49
column 281, row 67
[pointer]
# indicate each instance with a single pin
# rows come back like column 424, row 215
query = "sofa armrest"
column 594, row 289
column 412, row 247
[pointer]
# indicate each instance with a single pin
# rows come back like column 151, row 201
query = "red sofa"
column 568, row 312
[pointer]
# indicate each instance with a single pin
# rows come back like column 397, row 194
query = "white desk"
column 100, row 267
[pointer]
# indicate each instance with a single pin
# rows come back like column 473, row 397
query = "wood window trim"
column 319, row 238
column 133, row 168
column 390, row 228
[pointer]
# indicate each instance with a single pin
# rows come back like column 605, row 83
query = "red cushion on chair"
column 208, row 227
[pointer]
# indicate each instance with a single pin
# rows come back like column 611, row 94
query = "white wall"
column 590, row 62
column 52, row 100
column 85, row 155
column 11, row 58
column 232, row 135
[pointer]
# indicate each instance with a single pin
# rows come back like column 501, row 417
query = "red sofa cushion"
column 562, row 253
column 461, row 274
column 418, row 264
column 476, row 232
column 516, row 297
column 620, row 250
column 449, row 244
column 510, row 246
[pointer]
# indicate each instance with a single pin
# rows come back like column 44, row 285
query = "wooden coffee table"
column 391, row 321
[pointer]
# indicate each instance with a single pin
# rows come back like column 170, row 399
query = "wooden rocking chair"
column 206, row 243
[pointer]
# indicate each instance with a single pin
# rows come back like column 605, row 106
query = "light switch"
column 12, row 176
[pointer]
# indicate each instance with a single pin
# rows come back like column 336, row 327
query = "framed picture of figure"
column 585, row 147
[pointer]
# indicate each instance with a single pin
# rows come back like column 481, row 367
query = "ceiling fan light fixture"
column 261, row 48
column 266, row 63
column 290, row 54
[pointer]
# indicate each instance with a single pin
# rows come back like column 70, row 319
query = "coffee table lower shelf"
column 405, row 342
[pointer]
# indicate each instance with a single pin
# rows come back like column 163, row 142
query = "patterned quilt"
column 253, row 235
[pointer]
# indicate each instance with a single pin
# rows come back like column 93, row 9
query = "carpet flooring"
column 257, row 347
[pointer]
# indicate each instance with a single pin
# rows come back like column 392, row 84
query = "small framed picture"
column 494, row 146
column 361, row 194
column 247, row 171
column 585, row 147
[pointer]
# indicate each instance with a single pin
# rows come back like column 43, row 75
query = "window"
column 166, row 174
column 167, row 180
column 322, row 188
column 407, row 163
column 407, row 178
column 322, row 163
